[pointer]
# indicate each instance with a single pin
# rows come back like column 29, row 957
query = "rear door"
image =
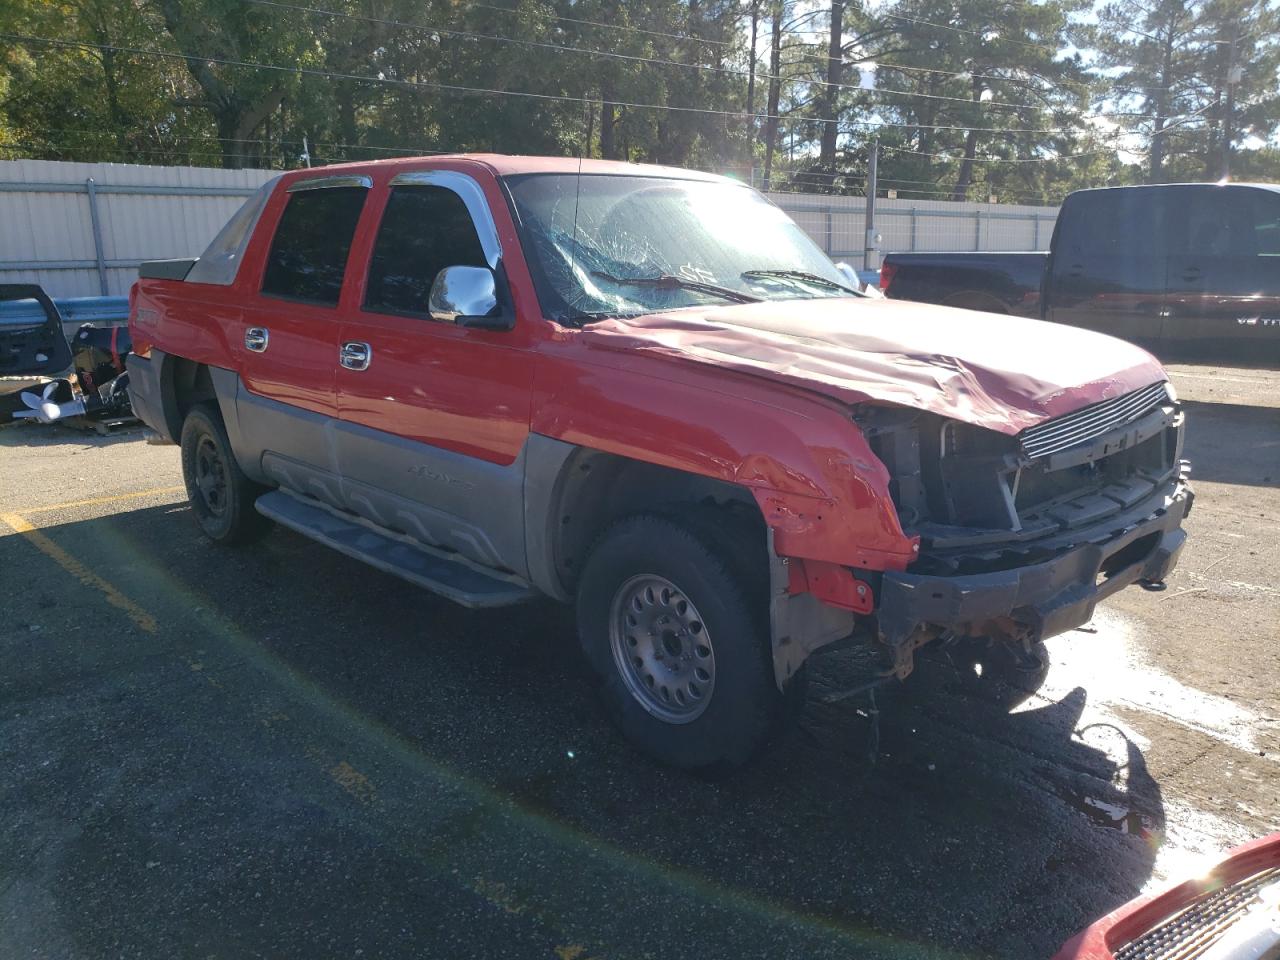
column 1224, row 274
column 1108, row 267
column 433, row 426
column 289, row 335
column 32, row 341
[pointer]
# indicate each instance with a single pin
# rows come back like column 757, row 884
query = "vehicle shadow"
column 975, row 832
column 48, row 434
column 1233, row 442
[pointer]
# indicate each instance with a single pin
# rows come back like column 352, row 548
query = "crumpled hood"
column 998, row 372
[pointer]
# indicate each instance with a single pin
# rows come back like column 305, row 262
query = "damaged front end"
column 1021, row 536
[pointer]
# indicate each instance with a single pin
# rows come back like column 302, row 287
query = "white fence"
column 839, row 224
column 81, row 229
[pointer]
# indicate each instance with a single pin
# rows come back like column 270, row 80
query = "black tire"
column 998, row 672
column 221, row 496
column 711, row 601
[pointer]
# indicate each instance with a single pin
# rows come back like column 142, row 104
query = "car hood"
column 998, row 372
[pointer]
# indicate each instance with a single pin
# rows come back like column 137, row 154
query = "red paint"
column 1102, row 938
column 831, row 583
column 759, row 395
column 887, row 270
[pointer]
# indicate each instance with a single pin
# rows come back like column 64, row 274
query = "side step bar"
column 438, row 571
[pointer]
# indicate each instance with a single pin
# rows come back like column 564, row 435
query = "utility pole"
column 871, row 250
column 830, row 97
column 1234, row 75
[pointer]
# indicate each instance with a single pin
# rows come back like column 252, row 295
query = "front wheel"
column 680, row 642
column 221, row 495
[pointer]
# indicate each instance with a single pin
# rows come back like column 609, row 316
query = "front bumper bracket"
column 1043, row 599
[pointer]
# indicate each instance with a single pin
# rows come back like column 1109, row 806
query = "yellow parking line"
column 23, row 527
column 154, row 491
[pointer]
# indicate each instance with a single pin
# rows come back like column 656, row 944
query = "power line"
column 518, row 41
column 613, row 55
column 635, row 58
column 984, row 34
column 493, row 92
column 947, row 156
column 981, row 76
column 613, row 26
column 412, row 150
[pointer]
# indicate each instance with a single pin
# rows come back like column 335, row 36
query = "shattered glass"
column 715, row 234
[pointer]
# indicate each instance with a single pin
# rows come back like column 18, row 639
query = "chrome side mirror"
column 468, row 297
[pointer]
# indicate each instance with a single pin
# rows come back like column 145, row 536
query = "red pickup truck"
column 646, row 391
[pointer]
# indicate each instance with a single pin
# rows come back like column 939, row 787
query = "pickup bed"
column 992, row 282
column 645, row 392
column 1190, row 270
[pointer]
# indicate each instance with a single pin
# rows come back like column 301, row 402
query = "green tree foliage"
column 1023, row 99
column 1171, row 60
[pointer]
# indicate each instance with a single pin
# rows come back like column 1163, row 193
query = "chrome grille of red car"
column 1190, row 932
column 1066, row 431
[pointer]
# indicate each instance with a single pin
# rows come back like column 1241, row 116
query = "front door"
column 434, row 424
column 289, row 336
column 1224, row 276
column 1109, row 262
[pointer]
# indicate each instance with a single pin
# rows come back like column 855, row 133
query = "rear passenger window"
column 309, row 251
column 423, row 230
column 1218, row 223
column 1266, row 223
column 1116, row 223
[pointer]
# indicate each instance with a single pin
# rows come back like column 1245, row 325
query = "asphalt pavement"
column 278, row 752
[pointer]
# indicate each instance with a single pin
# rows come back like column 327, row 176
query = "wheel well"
column 600, row 488
column 183, row 384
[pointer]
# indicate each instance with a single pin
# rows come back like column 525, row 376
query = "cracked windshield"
column 605, row 246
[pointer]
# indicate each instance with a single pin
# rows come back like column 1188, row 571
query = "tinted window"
column 220, row 261
column 1211, row 222
column 424, row 230
column 1266, row 222
column 309, row 250
column 1112, row 223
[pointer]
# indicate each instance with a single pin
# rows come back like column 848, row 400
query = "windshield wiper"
column 798, row 275
column 669, row 281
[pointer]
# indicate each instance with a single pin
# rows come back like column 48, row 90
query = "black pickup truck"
column 1187, row 270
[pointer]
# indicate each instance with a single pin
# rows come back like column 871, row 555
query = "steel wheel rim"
column 211, row 476
column 662, row 649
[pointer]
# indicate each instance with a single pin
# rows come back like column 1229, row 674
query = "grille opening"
column 1039, row 487
column 1066, row 431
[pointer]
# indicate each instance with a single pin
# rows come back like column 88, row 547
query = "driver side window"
column 424, row 229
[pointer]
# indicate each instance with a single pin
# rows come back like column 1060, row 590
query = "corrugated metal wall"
column 839, row 224
column 143, row 213
column 47, row 230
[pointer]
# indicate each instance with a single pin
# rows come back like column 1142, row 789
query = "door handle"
column 256, row 339
column 1191, row 273
column 1076, row 270
column 355, row 355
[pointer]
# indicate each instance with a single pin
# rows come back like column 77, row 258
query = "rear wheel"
column 221, row 496
column 680, row 642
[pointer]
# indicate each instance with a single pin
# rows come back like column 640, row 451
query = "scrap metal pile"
column 83, row 377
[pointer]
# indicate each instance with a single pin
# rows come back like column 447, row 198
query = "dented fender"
column 823, row 493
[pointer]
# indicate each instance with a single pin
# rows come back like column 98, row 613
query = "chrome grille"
column 1063, row 432
column 1190, row 932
